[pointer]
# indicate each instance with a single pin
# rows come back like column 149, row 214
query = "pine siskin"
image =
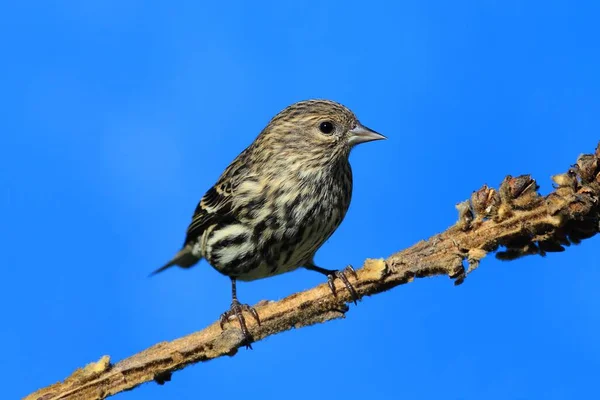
column 278, row 201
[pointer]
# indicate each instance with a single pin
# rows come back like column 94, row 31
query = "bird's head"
column 317, row 128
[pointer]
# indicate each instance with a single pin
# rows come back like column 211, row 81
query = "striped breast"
column 280, row 235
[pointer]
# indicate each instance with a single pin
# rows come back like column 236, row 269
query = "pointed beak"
column 362, row 134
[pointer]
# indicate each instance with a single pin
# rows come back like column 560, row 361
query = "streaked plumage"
column 281, row 198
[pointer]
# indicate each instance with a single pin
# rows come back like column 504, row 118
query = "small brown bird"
column 278, row 201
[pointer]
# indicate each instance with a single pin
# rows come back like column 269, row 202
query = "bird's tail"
column 185, row 258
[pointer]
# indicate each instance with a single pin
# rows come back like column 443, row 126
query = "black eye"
column 326, row 127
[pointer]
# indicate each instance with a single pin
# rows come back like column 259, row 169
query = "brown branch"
column 515, row 217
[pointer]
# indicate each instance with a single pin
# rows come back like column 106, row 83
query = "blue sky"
column 118, row 115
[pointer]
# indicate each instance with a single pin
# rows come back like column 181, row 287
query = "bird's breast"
column 308, row 210
column 281, row 222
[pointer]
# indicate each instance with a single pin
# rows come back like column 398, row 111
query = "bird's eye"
column 326, row 127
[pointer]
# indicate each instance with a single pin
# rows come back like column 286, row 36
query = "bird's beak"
column 362, row 134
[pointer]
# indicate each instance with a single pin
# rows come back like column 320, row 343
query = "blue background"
column 118, row 115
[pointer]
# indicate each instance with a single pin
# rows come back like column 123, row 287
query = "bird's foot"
column 341, row 275
column 238, row 309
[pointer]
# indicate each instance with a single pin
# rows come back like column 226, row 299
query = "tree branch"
column 515, row 217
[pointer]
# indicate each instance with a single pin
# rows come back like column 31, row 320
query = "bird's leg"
column 341, row 275
column 237, row 309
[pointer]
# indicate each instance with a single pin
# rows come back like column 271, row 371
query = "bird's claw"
column 238, row 309
column 341, row 275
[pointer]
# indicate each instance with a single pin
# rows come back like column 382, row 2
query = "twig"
column 515, row 217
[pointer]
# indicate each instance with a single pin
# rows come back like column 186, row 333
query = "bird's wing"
column 212, row 208
column 218, row 203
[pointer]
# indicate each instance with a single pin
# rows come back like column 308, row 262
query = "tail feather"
column 185, row 258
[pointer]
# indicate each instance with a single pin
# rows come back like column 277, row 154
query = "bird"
column 278, row 201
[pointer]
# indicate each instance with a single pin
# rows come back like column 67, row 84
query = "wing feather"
column 214, row 207
column 217, row 204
